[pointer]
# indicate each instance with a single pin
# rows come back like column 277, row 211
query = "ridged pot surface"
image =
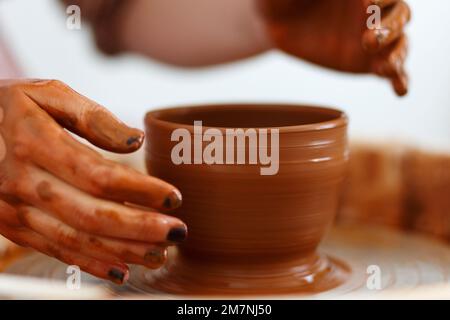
column 231, row 210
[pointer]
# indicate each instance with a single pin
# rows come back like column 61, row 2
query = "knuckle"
column 19, row 183
column 101, row 178
column 95, row 242
column 21, row 147
column 67, row 238
column 9, row 186
column 56, row 84
column 91, row 113
column 86, row 221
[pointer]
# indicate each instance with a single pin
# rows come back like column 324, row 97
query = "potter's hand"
column 335, row 34
column 63, row 199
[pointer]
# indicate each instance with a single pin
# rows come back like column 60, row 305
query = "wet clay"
column 248, row 233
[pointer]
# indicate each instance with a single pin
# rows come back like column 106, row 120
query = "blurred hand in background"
column 335, row 34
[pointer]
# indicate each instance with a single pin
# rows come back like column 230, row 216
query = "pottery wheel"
column 404, row 261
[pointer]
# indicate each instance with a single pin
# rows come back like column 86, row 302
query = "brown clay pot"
column 251, row 233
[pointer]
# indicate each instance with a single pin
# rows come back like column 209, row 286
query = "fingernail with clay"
column 117, row 276
column 173, row 200
column 177, row 235
column 157, row 256
column 134, row 140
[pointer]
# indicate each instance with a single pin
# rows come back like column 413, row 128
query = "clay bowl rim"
column 339, row 120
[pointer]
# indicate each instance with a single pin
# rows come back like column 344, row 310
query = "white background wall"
column 129, row 86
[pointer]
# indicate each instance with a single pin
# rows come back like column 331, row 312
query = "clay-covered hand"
column 336, row 34
column 64, row 199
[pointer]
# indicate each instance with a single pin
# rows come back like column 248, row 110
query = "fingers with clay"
column 64, row 199
column 388, row 43
column 103, row 248
column 115, row 272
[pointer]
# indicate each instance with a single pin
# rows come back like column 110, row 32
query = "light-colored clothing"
column 8, row 69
